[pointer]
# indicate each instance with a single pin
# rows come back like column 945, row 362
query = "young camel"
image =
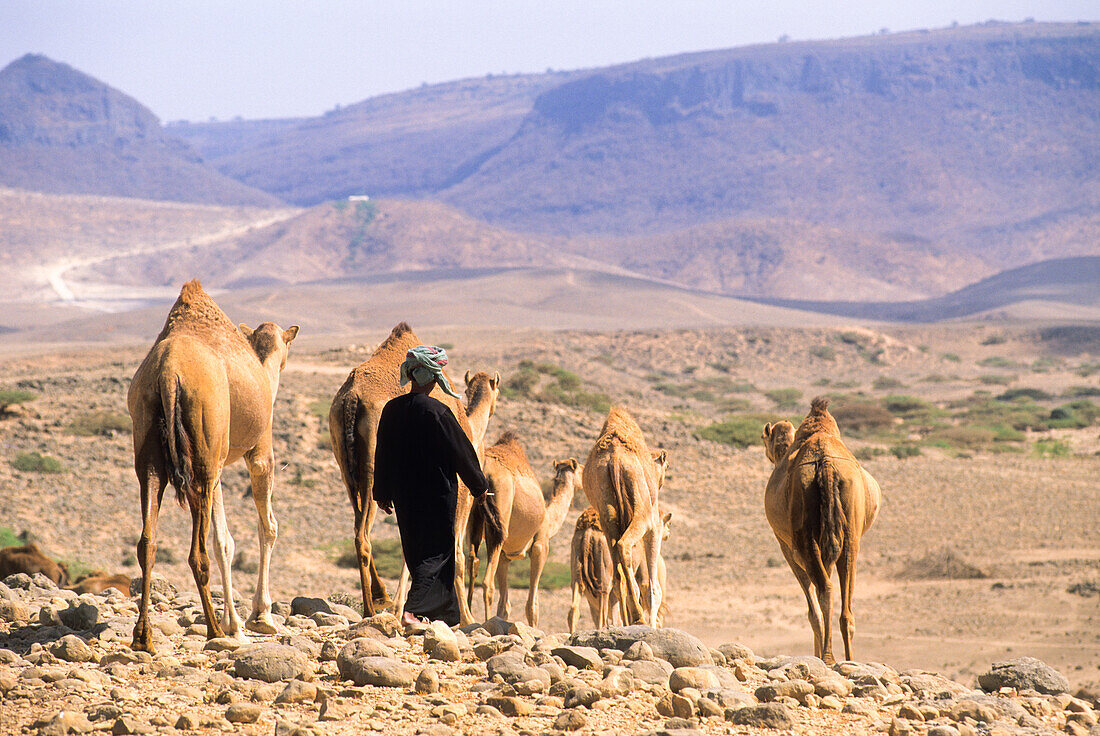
column 529, row 522
column 591, row 573
column 201, row 399
column 819, row 502
column 353, row 427
column 622, row 480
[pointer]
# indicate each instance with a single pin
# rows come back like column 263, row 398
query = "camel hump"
column 509, row 452
column 819, row 405
column 400, row 329
column 192, row 291
column 620, row 429
column 589, row 519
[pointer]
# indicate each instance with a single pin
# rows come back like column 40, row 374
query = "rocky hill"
column 62, row 131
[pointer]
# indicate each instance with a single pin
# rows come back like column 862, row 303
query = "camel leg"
column 402, row 591
column 846, row 573
column 261, row 468
column 363, row 559
column 803, row 578
column 538, row 561
column 147, row 548
column 575, row 608
column 652, row 546
column 223, row 555
column 380, row 597
column 492, row 564
column 462, row 519
column 821, row 576
column 200, row 561
column 473, row 563
column 504, row 608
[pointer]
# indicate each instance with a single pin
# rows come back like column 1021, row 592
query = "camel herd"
column 204, row 397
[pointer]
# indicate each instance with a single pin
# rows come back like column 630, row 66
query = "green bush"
column 861, row 417
column 11, row 397
column 825, row 352
column 992, row 380
column 1074, row 415
column 1051, row 448
column 100, row 423
column 852, row 338
column 886, row 383
column 739, row 430
column 552, row 384
column 1078, row 391
column 8, row 537
column 784, row 398
column 997, row 361
column 951, row 357
column 906, row 406
column 34, row 462
column 903, row 451
column 320, row 408
column 1013, row 394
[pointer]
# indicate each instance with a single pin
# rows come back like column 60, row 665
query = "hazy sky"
column 195, row 59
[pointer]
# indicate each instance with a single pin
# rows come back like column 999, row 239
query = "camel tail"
column 594, row 572
column 486, row 518
column 830, row 518
column 177, row 443
column 623, row 502
column 351, row 416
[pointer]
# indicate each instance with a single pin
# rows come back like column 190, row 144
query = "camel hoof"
column 262, row 625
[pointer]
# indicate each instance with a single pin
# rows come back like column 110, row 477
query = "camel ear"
column 767, row 430
column 662, row 457
column 495, row 381
column 289, row 334
column 245, row 329
column 572, row 463
column 666, row 518
column 466, row 378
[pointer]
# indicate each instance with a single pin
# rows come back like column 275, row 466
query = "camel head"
column 270, row 344
column 777, row 439
column 666, row 525
column 660, row 462
column 567, row 475
column 480, row 387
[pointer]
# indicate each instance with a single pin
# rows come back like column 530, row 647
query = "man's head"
column 424, row 366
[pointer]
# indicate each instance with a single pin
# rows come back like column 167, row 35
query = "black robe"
column 420, row 449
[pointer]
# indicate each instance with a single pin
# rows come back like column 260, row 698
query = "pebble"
column 767, row 715
column 243, row 713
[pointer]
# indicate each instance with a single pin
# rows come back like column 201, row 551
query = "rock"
column 557, row 674
column 187, row 722
column 898, row 727
column 932, row 684
column 834, row 685
column 653, row 672
column 734, row 652
column 297, row 691
column 18, row 581
column 243, row 713
column 63, row 722
column 1024, row 673
column 48, row 616
column 730, row 698
column 222, row 644
column 289, row 728
column 127, row 724
column 385, row 622
column 695, row 677
column 72, row 648
column 768, row 715
column 159, row 585
column 618, row 681
column 347, row 612
column 570, row 719
column 305, row 606
column 379, row 671
column 80, row 616
column 707, row 708
column 513, row 668
column 14, row 611
column 970, row 709
column 797, row 689
column 427, row 681
column 441, row 643
column 910, row 712
column 583, row 658
column 497, row 626
column 831, row 702
column 333, row 709
column 329, row 652
column 328, row 619
column 639, row 651
column 510, row 706
column 677, row 647
column 357, row 649
column 674, row 705
column 943, row 730
column 270, row 662
column 583, row 696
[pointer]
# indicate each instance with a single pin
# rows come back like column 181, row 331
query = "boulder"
column 510, row 706
column 673, row 705
column 583, row 658
column 617, row 681
column 297, row 691
column 733, row 652
column 306, row 606
column 427, row 681
column 441, row 643
column 72, row 648
column 695, row 677
column 767, row 715
column 570, row 719
column 1024, row 673
column 583, row 696
column 797, row 689
column 379, row 671
column 270, row 662
column 678, row 648
column 513, row 667
column 243, row 713
column 80, row 615
column 653, row 672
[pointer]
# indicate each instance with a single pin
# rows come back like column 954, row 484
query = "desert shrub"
column 1087, row 369
column 734, row 404
column 868, row 453
column 739, row 430
column 903, row 451
column 1045, row 364
column 938, row 378
column 1013, row 394
column 852, row 338
column 994, row 380
column 34, row 462
column 886, row 383
column 343, row 598
column 8, row 537
column 11, row 397
column 861, row 417
column 825, row 352
column 1078, row 391
column 100, row 423
column 1051, row 448
column 993, row 340
column 905, row 406
column 521, row 382
column 970, row 436
column 320, row 407
column 943, row 564
column 784, row 397
column 1074, row 415
column 997, row 361
column 340, row 205
column 951, row 357
column 447, row 345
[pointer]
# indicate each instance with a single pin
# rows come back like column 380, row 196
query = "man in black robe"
column 420, row 449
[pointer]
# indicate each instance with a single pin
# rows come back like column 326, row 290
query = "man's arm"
column 466, row 462
column 383, row 464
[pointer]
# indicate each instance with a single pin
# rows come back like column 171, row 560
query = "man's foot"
column 409, row 619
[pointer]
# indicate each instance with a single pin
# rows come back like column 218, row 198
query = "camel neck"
column 478, row 413
column 559, row 504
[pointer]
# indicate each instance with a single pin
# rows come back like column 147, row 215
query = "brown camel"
column 99, row 581
column 353, row 426
column 528, row 521
column 29, row 559
column 622, row 480
column 202, row 399
column 819, row 502
column 591, row 572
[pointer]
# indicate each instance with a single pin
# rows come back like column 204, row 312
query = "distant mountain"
column 912, row 164
column 62, row 131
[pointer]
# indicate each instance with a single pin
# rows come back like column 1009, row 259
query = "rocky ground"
column 66, row 667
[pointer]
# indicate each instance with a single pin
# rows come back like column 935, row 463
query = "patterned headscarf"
column 423, row 364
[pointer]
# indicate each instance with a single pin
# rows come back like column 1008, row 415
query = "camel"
column 29, row 559
column 622, row 480
column 591, row 573
column 99, row 581
column 528, row 520
column 202, row 399
column 353, row 426
column 819, row 502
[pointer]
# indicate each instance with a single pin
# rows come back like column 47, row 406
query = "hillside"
column 906, row 165
column 62, row 131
